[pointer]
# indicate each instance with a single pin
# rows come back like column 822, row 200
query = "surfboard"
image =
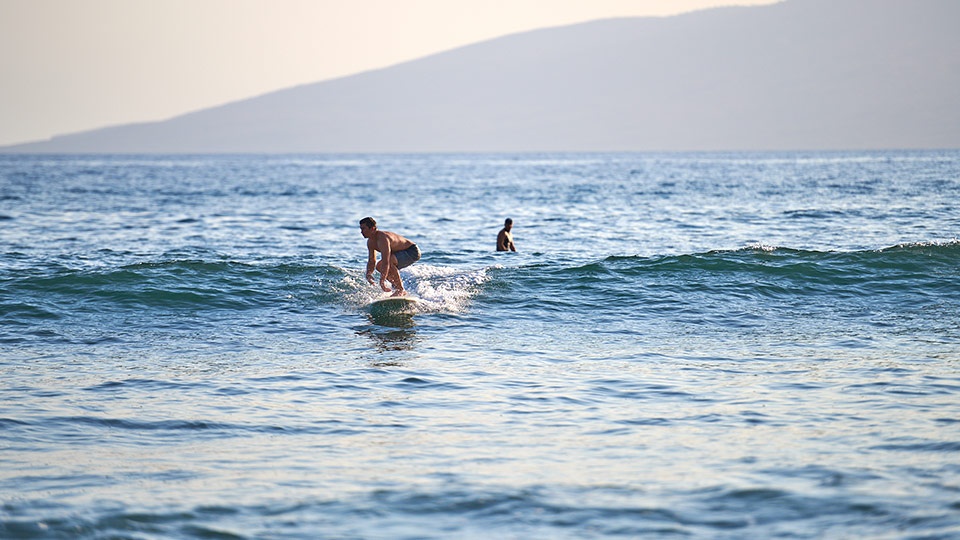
column 394, row 305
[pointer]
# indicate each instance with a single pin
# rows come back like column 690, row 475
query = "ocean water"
column 685, row 346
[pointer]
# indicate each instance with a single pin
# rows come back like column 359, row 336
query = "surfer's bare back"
column 396, row 252
column 505, row 237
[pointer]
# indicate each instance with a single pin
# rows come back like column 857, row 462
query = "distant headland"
column 797, row 75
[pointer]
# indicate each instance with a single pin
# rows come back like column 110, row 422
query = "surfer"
column 505, row 238
column 396, row 252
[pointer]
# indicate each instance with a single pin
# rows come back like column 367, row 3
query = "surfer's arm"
column 371, row 262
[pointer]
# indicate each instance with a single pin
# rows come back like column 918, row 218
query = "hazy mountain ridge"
column 802, row 74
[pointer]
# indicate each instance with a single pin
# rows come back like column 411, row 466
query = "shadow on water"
column 391, row 331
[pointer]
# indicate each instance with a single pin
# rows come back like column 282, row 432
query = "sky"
column 73, row 65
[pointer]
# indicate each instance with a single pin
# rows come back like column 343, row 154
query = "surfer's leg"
column 380, row 264
column 394, row 278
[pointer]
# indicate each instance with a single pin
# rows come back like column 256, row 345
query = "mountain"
column 800, row 74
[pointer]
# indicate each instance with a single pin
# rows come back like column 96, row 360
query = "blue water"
column 685, row 346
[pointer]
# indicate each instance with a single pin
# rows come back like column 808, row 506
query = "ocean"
column 685, row 345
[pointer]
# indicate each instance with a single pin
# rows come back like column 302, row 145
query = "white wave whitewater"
column 686, row 345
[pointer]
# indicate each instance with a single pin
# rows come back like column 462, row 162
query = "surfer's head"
column 367, row 224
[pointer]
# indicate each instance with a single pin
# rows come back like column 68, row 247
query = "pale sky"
column 73, row 65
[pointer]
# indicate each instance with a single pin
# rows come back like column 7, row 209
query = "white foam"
column 440, row 289
column 356, row 291
column 444, row 289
